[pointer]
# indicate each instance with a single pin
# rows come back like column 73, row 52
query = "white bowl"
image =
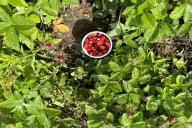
column 85, row 51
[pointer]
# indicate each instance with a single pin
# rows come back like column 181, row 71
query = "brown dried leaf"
column 57, row 21
column 62, row 28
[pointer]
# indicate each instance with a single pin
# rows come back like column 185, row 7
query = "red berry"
column 102, row 47
column 100, row 54
column 61, row 58
column 107, row 44
column 49, row 45
column 94, row 34
column 100, row 42
column 99, row 34
column 103, row 38
column 90, row 42
column 86, row 46
column 94, row 38
column 104, row 51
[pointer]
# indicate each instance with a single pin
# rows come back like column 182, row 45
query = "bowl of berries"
column 96, row 44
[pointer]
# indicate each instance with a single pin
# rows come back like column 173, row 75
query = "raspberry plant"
column 145, row 82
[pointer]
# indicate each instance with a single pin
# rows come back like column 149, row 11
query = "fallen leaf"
column 57, row 21
column 62, row 28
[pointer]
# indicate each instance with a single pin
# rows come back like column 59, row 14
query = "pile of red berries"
column 96, row 44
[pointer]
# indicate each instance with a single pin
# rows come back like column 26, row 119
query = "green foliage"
column 133, row 87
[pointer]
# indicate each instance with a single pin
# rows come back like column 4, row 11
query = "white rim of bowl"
column 97, row 57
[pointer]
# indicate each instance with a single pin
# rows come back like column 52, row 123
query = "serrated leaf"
column 3, row 2
column 55, row 4
column 50, row 11
column 69, row 2
column 135, row 74
column 34, row 18
column 70, row 122
column 138, row 125
column 145, row 78
column 27, row 41
column 10, row 103
column 179, row 79
column 125, row 120
column 103, row 78
column 152, row 105
column 21, row 23
column 143, row 6
column 122, row 99
column 131, row 43
column 42, row 118
column 11, row 39
column 51, row 111
column 4, row 26
column 4, row 16
column 114, row 86
column 110, row 117
column 128, row 10
column 114, row 67
column 151, row 33
column 178, row 12
column 188, row 13
column 184, row 29
column 16, row 3
column 148, row 20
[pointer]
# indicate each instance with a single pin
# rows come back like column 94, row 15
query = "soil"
column 80, row 20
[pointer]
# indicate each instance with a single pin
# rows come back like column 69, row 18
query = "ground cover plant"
column 47, row 82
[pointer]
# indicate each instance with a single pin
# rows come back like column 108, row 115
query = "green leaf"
column 179, row 63
column 27, row 41
column 16, row 3
column 21, row 23
column 125, row 120
column 11, row 39
column 144, row 79
column 103, row 78
column 70, row 122
column 151, row 33
column 55, row 4
column 152, row 105
column 69, row 2
column 51, row 111
column 4, row 16
column 50, row 11
column 34, row 18
column 188, row 12
column 42, row 118
column 3, row 27
column 122, row 99
column 179, row 79
column 158, row 63
column 147, row 88
column 184, row 29
column 10, row 103
column 142, row 54
column 131, row 43
column 3, row 2
column 128, row 10
column 128, row 86
column 110, row 117
column 138, row 125
column 114, row 67
column 135, row 73
column 178, row 12
column 115, row 86
column 143, row 6
column 148, row 20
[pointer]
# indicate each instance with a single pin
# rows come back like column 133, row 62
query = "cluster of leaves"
column 132, row 87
